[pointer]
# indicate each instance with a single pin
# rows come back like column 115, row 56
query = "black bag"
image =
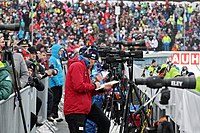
column 165, row 127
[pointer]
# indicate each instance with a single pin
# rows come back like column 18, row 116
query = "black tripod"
column 110, row 97
column 8, row 56
column 129, row 99
column 117, row 97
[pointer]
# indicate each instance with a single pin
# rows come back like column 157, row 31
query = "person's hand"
column 97, row 84
column 49, row 72
column 99, row 77
column 108, row 86
column 39, row 76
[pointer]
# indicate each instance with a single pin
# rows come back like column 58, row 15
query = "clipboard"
column 111, row 82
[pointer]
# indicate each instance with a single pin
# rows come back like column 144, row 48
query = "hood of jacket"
column 80, row 59
column 55, row 49
column 71, row 61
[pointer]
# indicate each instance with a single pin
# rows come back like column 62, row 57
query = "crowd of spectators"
column 164, row 27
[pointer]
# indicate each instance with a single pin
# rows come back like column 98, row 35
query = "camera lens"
column 54, row 72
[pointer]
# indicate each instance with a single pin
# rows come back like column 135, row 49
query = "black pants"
column 57, row 94
column 76, row 122
column 50, row 102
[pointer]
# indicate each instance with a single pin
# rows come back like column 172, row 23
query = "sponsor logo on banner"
column 185, row 58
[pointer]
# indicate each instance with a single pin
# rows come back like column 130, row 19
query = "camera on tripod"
column 155, row 82
column 133, row 46
column 115, row 55
column 111, row 55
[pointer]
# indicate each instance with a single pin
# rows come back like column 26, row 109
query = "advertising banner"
column 187, row 58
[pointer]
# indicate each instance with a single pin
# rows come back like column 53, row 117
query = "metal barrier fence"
column 10, row 115
column 43, row 95
column 183, row 107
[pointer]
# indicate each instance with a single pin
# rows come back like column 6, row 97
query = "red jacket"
column 78, row 88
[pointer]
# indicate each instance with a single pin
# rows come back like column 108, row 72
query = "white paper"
column 111, row 82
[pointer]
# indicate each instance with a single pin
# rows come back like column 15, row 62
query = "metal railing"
column 10, row 116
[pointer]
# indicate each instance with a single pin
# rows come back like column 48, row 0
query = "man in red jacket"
column 79, row 90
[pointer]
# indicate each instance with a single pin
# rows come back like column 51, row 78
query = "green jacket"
column 173, row 72
column 197, row 84
column 151, row 69
column 5, row 80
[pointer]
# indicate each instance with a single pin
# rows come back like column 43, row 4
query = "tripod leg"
column 124, row 124
column 9, row 56
column 113, row 106
column 140, row 101
column 106, row 107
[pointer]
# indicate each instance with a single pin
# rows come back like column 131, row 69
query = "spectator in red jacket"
column 79, row 90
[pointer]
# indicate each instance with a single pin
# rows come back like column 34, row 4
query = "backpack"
column 165, row 127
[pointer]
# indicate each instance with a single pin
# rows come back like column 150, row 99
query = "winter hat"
column 82, row 50
column 91, row 53
column 32, row 50
column 23, row 43
column 153, row 61
column 30, row 65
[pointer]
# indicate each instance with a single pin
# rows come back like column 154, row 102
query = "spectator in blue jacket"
column 56, row 83
column 96, row 75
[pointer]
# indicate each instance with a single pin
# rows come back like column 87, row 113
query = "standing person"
column 5, row 81
column 151, row 69
column 169, row 70
column 154, row 43
column 5, row 78
column 56, row 82
column 21, row 69
column 79, row 90
column 185, row 72
column 5, row 75
column 96, row 75
column 166, row 40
